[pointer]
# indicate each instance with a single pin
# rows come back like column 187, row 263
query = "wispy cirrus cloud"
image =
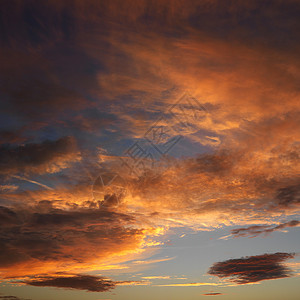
column 256, row 230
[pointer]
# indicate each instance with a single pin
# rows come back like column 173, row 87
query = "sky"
column 149, row 149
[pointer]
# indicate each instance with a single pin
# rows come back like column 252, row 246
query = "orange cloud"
column 55, row 239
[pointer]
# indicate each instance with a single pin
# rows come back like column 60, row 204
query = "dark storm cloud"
column 252, row 269
column 264, row 229
column 35, row 157
column 78, row 282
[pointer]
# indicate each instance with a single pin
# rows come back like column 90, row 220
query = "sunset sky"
column 149, row 149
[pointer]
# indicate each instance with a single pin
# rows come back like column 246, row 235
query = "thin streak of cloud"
column 256, row 230
column 152, row 261
column 33, row 181
column 157, row 277
column 193, row 284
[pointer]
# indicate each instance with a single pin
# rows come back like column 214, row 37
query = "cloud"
column 48, row 156
column 257, row 230
column 129, row 83
column 152, row 261
column 102, row 72
column 212, row 294
column 85, row 282
column 72, row 59
column 253, row 269
column 78, row 282
column 157, row 277
column 12, row 298
column 8, row 188
column 193, row 284
column 43, row 237
column 210, row 187
column 11, row 136
column 8, row 216
column 131, row 282
column 288, row 195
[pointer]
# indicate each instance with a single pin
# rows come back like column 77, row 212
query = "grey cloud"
column 289, row 195
column 252, row 269
column 78, row 282
column 263, row 229
column 35, row 157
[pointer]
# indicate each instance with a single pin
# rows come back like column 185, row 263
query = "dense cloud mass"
column 253, row 268
column 43, row 237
